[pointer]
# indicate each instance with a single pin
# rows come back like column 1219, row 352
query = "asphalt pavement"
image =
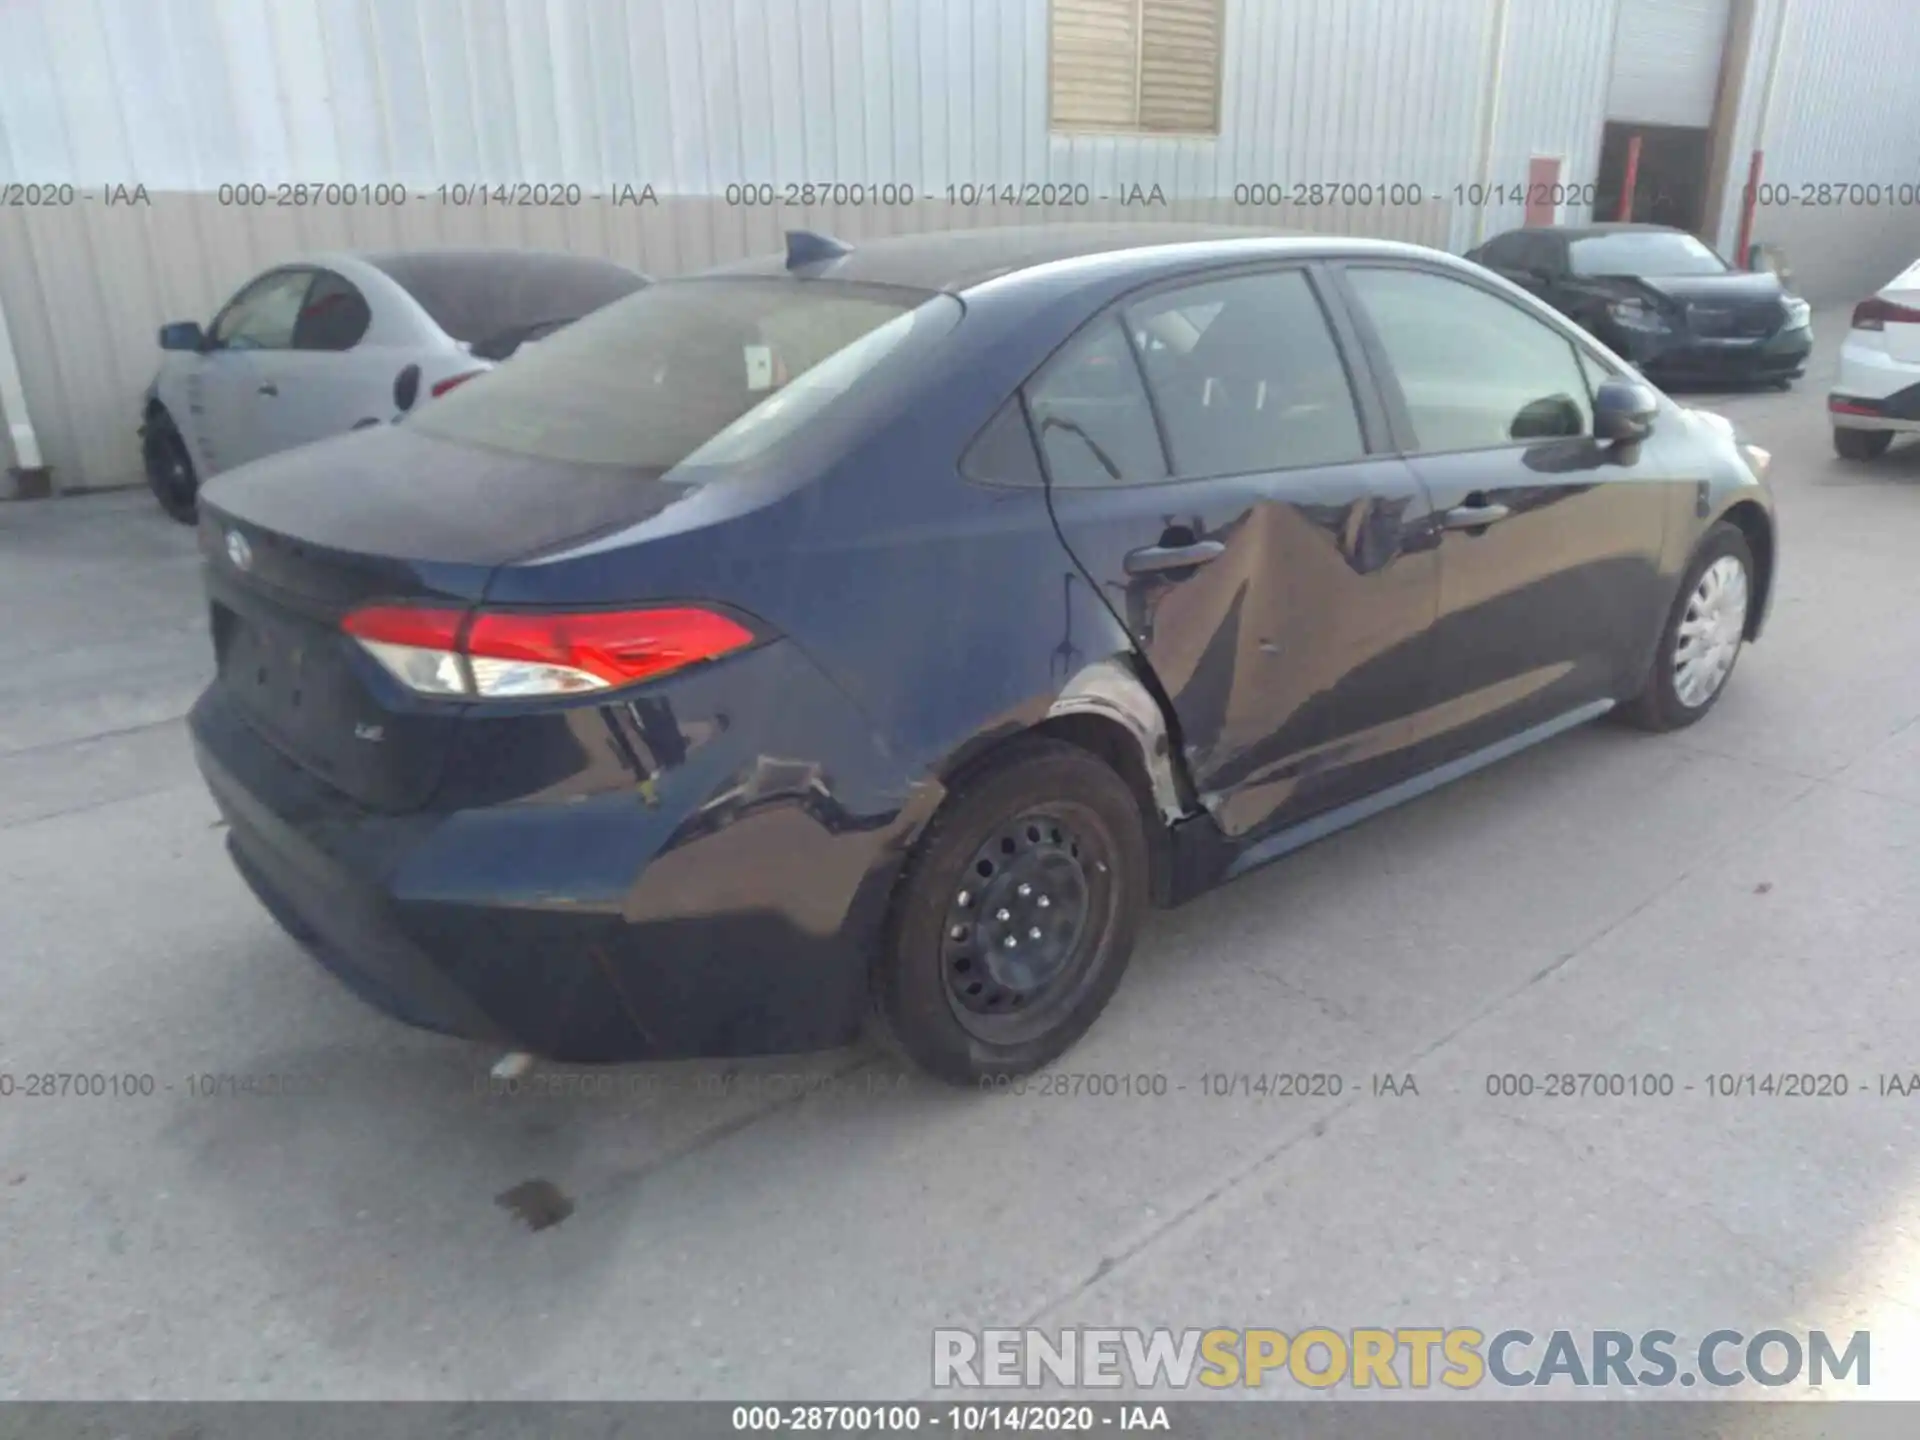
column 1742, row 899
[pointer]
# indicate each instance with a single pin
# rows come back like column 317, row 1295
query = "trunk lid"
column 294, row 542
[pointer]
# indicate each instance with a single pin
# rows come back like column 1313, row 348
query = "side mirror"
column 1769, row 260
column 1624, row 411
column 182, row 335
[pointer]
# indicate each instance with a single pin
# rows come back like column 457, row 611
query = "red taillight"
column 613, row 648
column 441, row 387
column 506, row 654
column 413, row 625
column 1850, row 407
column 1878, row 313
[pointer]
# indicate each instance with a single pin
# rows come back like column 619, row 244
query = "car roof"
column 452, row 254
column 502, row 255
column 959, row 260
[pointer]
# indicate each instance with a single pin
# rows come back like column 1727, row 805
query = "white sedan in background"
column 1877, row 393
column 330, row 343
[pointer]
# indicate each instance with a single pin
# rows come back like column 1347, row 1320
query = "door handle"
column 269, row 388
column 1475, row 514
column 1151, row 559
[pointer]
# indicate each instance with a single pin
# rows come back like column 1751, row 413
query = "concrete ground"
column 1744, row 898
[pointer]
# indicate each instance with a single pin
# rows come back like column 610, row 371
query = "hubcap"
column 1015, row 926
column 1710, row 632
column 168, row 460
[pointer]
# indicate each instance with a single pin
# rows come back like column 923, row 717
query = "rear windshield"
column 688, row 374
column 1654, row 253
column 488, row 297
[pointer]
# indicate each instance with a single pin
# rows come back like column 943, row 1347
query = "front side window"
column 689, row 376
column 1090, row 414
column 1246, row 376
column 1596, row 373
column 1474, row 371
column 263, row 315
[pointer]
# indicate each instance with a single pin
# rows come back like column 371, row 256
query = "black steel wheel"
column 1014, row 946
column 170, row 472
column 1017, row 916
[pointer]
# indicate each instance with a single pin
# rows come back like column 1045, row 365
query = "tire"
column 170, row 472
column 1056, row 819
column 1663, row 704
column 1851, row 444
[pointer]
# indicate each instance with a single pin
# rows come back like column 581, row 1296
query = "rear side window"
column 1474, row 371
column 334, row 317
column 696, row 373
column 1002, row 453
column 1247, row 376
column 1091, row 415
column 494, row 298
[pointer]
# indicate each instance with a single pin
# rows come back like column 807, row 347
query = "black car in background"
column 1661, row 298
column 880, row 632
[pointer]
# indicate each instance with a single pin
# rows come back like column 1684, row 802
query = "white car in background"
column 331, row 343
column 1877, row 393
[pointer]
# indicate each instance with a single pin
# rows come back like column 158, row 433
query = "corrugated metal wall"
column 694, row 96
column 186, row 95
column 1843, row 135
column 1552, row 95
column 1666, row 61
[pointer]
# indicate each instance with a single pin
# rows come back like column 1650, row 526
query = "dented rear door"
column 1276, row 571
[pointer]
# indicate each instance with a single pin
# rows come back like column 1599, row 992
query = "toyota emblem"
column 239, row 551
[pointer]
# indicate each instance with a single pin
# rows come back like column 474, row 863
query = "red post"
column 1747, row 202
column 1633, row 178
column 1543, row 183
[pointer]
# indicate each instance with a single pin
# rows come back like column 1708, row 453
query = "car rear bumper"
column 1873, row 390
column 709, row 908
column 1869, row 374
column 1898, row 412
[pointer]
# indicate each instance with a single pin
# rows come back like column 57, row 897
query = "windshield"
column 1643, row 252
column 693, row 373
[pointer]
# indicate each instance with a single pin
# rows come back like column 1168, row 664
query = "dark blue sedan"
column 879, row 632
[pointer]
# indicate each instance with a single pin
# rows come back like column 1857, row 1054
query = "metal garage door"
column 1666, row 61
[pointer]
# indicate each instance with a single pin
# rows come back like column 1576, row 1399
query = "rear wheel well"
column 1108, row 741
column 1752, row 522
column 1114, row 745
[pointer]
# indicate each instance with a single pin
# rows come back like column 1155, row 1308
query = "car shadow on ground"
column 670, row 1195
